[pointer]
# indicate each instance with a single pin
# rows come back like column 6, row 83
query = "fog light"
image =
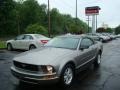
column 49, row 77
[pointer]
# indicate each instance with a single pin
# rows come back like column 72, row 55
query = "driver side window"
column 86, row 43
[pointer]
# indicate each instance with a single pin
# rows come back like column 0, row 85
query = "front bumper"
column 34, row 78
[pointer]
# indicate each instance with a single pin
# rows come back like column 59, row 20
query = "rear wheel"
column 67, row 76
column 97, row 61
column 32, row 47
column 9, row 47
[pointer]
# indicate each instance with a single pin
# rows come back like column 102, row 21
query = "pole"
column 93, row 24
column 96, row 22
column 88, row 23
column 48, row 18
column 76, row 11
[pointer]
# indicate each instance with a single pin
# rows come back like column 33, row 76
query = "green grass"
column 2, row 44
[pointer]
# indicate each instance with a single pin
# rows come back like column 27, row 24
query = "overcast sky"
column 109, row 13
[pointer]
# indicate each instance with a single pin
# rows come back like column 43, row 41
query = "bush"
column 107, row 30
column 36, row 29
column 117, row 30
column 74, row 29
column 2, row 44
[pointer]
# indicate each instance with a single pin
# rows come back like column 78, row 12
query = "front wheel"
column 9, row 47
column 67, row 76
column 97, row 61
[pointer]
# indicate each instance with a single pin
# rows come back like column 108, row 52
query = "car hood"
column 43, row 56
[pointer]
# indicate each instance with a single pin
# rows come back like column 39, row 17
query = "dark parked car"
column 58, row 61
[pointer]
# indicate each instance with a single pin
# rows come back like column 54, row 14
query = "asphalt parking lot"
column 107, row 77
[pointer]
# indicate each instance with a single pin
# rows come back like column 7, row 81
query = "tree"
column 109, row 30
column 17, row 15
column 29, row 12
column 117, row 30
column 73, row 27
column 6, row 17
column 57, row 22
column 36, row 29
column 100, row 29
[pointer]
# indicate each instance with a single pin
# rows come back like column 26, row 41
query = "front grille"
column 26, row 66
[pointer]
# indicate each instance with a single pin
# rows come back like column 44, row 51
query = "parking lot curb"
column 2, row 48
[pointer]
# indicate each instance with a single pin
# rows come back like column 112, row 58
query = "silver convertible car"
column 58, row 61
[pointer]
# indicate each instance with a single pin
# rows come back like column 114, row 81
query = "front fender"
column 63, row 65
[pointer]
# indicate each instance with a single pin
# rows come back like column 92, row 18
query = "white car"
column 118, row 36
column 27, row 42
column 103, row 37
column 99, row 36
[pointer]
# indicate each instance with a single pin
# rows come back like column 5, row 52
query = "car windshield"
column 63, row 42
column 39, row 36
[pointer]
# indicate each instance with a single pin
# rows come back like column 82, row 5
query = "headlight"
column 47, row 69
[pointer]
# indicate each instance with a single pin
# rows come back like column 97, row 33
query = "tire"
column 9, row 47
column 101, row 40
column 67, row 76
column 32, row 47
column 97, row 61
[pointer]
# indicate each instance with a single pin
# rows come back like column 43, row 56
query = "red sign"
column 92, row 10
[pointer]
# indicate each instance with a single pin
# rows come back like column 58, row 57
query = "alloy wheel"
column 68, row 76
